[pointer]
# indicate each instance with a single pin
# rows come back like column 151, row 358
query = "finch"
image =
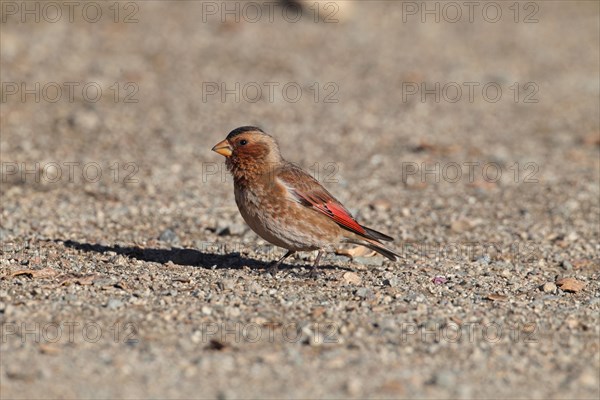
column 285, row 205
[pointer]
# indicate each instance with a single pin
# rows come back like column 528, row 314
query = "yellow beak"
column 223, row 148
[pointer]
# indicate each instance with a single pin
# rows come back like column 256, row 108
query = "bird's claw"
column 272, row 269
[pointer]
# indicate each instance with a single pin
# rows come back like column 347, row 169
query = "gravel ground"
column 127, row 271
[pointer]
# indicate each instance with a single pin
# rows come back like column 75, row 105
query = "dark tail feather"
column 377, row 235
column 378, row 247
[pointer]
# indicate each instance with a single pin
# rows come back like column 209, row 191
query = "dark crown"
column 243, row 129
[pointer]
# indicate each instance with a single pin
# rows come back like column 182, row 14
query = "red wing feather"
column 310, row 193
column 332, row 209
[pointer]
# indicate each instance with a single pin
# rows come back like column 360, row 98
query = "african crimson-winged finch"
column 286, row 206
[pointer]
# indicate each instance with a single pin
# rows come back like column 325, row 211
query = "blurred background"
column 406, row 111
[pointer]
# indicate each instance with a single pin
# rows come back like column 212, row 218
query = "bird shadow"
column 184, row 257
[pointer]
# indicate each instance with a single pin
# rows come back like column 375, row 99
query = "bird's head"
column 249, row 151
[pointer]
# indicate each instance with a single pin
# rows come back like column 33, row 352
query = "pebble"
column 226, row 284
column 375, row 261
column 567, row 265
column 364, row 293
column 4, row 234
column 338, row 258
column 485, row 259
column 254, row 287
column 549, row 287
column 84, row 120
column 461, row 225
column 391, row 282
column 113, row 304
column 353, row 387
column 232, row 311
column 439, row 280
column 231, row 230
column 350, row 278
column 103, row 282
column 168, row 236
column 206, row 310
column 444, row 379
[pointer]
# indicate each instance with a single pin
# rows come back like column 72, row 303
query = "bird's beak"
column 223, row 148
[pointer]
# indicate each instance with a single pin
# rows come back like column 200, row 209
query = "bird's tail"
column 373, row 234
column 374, row 245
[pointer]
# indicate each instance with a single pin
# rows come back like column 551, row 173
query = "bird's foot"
column 314, row 272
column 272, row 268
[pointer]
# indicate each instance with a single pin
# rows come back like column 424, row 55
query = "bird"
column 285, row 205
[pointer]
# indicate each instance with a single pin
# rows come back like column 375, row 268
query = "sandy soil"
column 127, row 271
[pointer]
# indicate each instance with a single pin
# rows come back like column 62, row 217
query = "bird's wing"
column 307, row 191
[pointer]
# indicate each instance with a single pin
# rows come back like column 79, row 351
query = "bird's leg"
column 313, row 270
column 275, row 267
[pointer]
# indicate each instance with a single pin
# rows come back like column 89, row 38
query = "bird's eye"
column 243, row 142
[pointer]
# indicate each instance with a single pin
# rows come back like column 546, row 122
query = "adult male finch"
column 286, row 206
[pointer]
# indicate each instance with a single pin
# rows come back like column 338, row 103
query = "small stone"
column 350, row 278
column 364, row 293
column 317, row 312
column 114, row 304
column 439, row 280
column 232, row 312
column 549, row 287
column 391, row 281
column 381, row 205
column 461, row 225
column 444, row 379
column 570, row 284
column 571, row 237
column 101, row 282
column 226, row 284
column 375, row 261
column 485, row 259
column 4, row 234
column 254, row 287
column 572, row 323
column 86, row 120
column 316, row 337
column 357, row 251
column 567, row 265
column 231, row 230
column 496, row 297
column 338, row 259
column 9, row 309
column 168, row 236
column 206, row 310
column 353, row 387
